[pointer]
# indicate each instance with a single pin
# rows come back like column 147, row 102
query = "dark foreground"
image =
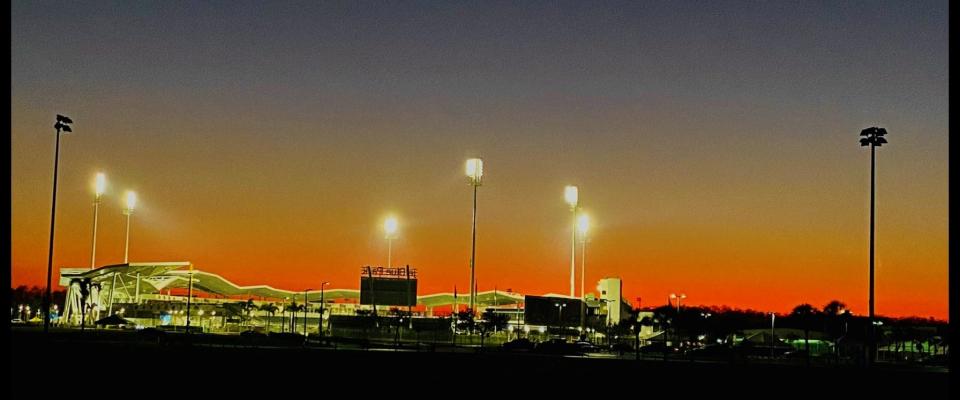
column 130, row 367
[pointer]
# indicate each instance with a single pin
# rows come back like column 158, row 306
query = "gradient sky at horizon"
column 715, row 143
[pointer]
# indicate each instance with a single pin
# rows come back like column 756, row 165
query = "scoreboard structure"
column 388, row 286
column 551, row 311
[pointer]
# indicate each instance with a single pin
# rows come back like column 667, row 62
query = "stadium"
column 175, row 295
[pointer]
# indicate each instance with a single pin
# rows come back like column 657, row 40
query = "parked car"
column 657, row 347
column 559, row 347
column 522, row 344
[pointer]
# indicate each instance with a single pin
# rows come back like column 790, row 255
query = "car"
column 252, row 334
column 522, row 344
column 621, row 348
column 657, row 347
column 558, row 347
column 712, row 351
column 583, row 347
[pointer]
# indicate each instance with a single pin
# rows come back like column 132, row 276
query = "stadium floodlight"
column 390, row 228
column 873, row 137
column 128, row 211
column 475, row 175
column 62, row 124
column 583, row 225
column 99, row 186
column 572, row 195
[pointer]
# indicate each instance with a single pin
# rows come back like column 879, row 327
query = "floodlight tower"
column 475, row 175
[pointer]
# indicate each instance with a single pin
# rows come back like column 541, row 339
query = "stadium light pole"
column 305, row 313
column 677, row 319
column 873, row 137
column 474, row 171
column 390, row 227
column 99, row 186
column 572, row 195
column 322, row 304
column 128, row 211
column 583, row 225
column 63, row 124
column 680, row 297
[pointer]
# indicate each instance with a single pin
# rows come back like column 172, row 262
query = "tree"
column 271, row 309
column 294, row 308
column 491, row 322
column 465, row 320
column 805, row 312
column 247, row 308
column 833, row 312
column 834, row 308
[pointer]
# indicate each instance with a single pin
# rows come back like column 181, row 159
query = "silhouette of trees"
column 271, row 309
column 491, row 322
column 805, row 313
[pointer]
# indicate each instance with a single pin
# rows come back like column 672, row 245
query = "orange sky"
column 714, row 160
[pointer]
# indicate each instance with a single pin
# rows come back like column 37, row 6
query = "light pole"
column 475, row 175
column 99, row 186
column 572, row 195
column 873, row 137
column 676, row 328
column 305, row 312
column 583, row 224
column 322, row 304
column 560, row 307
column 62, row 124
column 128, row 211
column 773, row 333
column 680, row 297
column 390, row 227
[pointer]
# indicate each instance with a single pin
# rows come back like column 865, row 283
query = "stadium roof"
column 158, row 276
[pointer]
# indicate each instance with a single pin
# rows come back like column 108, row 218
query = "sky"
column 715, row 143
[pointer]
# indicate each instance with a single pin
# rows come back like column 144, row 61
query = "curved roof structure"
column 158, row 276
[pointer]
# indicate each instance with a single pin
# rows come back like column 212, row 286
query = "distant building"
column 611, row 297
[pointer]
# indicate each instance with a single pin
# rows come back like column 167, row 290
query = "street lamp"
column 873, row 137
column 677, row 328
column 320, row 324
column 63, row 124
column 680, row 297
column 390, row 227
column 572, row 195
column 773, row 333
column 128, row 211
column 99, row 186
column 583, row 225
column 475, row 175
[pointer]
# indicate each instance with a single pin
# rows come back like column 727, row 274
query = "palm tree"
column 294, row 307
column 491, row 322
column 248, row 308
column 804, row 313
column 271, row 309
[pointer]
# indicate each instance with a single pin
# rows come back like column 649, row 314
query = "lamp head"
column 390, row 226
column 101, row 184
column 572, row 195
column 873, row 136
column 583, row 224
column 131, row 201
column 475, row 170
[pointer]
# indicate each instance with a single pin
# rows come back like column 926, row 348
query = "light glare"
column 131, row 200
column 475, row 169
column 101, row 183
column 571, row 195
column 583, row 224
column 390, row 226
